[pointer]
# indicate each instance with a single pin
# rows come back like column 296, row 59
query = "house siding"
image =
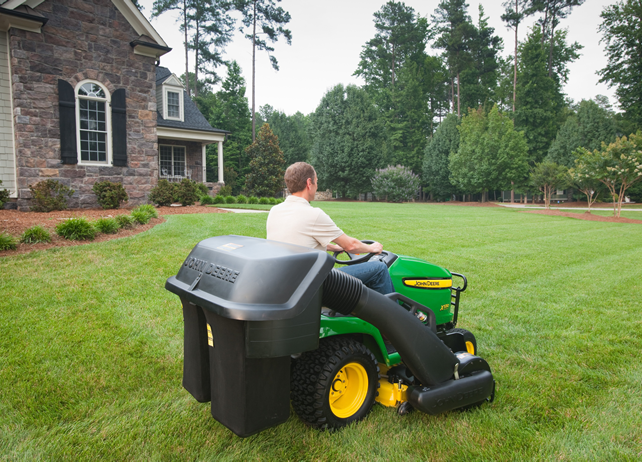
column 7, row 157
column 82, row 40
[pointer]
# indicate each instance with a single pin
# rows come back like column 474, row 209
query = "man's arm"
column 352, row 245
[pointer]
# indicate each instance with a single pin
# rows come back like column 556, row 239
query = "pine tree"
column 267, row 165
column 436, row 171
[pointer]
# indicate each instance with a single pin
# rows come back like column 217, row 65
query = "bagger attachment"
column 249, row 304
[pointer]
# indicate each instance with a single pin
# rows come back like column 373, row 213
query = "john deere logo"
column 425, row 283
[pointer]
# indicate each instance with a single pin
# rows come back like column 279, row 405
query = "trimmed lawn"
column 91, row 344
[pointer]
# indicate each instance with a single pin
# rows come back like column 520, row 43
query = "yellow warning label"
column 210, row 338
column 230, row 246
column 425, row 283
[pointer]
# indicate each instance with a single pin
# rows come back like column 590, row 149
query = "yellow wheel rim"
column 348, row 390
column 470, row 347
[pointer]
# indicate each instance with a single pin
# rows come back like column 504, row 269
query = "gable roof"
column 193, row 119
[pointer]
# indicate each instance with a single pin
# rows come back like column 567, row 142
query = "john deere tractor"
column 268, row 323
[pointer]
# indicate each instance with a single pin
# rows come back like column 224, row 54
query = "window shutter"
column 119, row 127
column 67, row 107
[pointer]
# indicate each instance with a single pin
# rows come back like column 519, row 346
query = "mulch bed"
column 583, row 216
column 15, row 223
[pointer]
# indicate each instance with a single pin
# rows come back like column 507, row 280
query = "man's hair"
column 296, row 176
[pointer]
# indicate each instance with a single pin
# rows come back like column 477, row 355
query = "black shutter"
column 67, row 106
column 119, row 127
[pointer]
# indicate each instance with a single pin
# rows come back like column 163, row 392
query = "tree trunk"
column 196, row 39
column 254, row 76
column 512, row 194
column 458, row 106
column 452, row 93
column 186, row 55
column 515, row 73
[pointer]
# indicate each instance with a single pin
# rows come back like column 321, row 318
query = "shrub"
column 4, row 196
column 109, row 194
column 148, row 209
column 163, row 193
column 202, row 189
column 107, row 225
column 125, row 221
column 252, row 200
column 143, row 213
column 187, row 192
column 395, row 184
column 225, row 191
column 76, row 229
column 35, row 235
column 7, row 242
column 278, row 201
column 264, row 200
column 241, row 199
column 219, row 200
column 230, row 200
column 49, row 195
column 206, row 200
column 273, row 200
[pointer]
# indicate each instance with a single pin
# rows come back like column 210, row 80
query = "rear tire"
column 335, row 384
column 469, row 340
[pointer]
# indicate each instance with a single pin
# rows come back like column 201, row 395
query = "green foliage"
column 583, row 178
column 266, row 164
column 225, row 191
column 4, row 196
column 230, row 200
column 125, row 221
column 273, row 200
column 140, row 217
column 202, row 189
column 263, row 200
column 110, row 195
column 107, row 225
column 436, row 169
column 187, row 192
column 548, row 176
column 252, row 200
column 76, row 229
column 206, row 200
column 241, row 199
column 7, row 241
column 292, row 132
column 49, row 195
column 35, row 235
column 395, row 184
column 491, row 153
column 347, row 140
column 163, row 193
column 148, row 209
column 219, row 199
column 622, row 33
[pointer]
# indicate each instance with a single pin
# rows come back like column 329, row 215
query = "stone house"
column 84, row 99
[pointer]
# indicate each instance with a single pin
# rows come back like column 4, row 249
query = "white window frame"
column 108, row 134
column 167, row 89
column 171, row 174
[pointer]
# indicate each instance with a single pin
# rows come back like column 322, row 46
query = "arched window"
column 94, row 123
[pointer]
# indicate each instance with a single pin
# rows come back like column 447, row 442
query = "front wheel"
column 335, row 384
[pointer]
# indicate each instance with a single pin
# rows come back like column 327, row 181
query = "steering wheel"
column 353, row 257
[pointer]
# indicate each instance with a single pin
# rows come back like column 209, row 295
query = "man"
column 295, row 221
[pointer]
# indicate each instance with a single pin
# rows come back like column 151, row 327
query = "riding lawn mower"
column 267, row 324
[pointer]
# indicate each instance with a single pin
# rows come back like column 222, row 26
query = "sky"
column 328, row 36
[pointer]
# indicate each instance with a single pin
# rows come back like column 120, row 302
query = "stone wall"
column 82, row 40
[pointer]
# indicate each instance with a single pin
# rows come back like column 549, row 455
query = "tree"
column 617, row 165
column 270, row 19
column 292, row 131
column 395, row 184
column 588, row 128
column 491, row 153
column 622, row 34
column 436, row 171
column 267, row 164
column 584, row 179
column 513, row 17
column 546, row 177
column 347, row 140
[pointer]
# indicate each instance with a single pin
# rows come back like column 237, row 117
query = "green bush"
column 241, row 199
column 107, row 225
column 7, row 242
column 252, row 200
column 143, row 213
column 264, row 200
column 225, row 191
column 109, row 194
column 49, row 195
column 35, row 235
column 279, row 201
column 76, row 229
column 273, row 200
column 219, row 199
column 206, row 200
column 125, row 221
column 230, row 200
column 148, row 209
column 202, row 189
column 163, row 193
column 4, row 196
column 187, row 192
column 395, row 184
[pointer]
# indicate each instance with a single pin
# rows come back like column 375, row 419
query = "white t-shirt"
column 295, row 221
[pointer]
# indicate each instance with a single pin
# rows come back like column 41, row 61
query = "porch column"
column 220, row 162
column 204, row 151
